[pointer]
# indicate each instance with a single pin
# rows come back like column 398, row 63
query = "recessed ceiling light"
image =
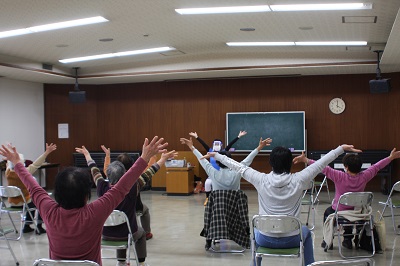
column 110, row 55
column 306, row 28
column 266, row 8
column 260, row 43
column 334, row 43
column 53, row 26
column 247, row 29
column 221, row 10
column 106, row 40
column 316, row 7
column 339, row 43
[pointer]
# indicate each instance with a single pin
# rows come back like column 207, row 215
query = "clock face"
column 337, row 105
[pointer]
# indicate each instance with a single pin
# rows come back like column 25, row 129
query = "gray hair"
column 115, row 171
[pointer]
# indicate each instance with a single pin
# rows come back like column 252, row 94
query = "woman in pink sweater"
column 73, row 225
column 351, row 180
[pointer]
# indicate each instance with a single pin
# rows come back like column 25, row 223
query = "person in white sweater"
column 280, row 191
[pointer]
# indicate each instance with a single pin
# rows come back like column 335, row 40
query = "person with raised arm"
column 280, row 192
column 74, row 226
column 351, row 180
column 217, row 146
column 114, row 171
column 14, row 180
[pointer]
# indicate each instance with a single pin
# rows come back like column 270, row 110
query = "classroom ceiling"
column 200, row 40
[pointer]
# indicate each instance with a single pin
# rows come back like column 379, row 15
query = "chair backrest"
column 357, row 262
column 117, row 218
column 356, row 199
column 396, row 187
column 10, row 192
column 49, row 262
column 276, row 224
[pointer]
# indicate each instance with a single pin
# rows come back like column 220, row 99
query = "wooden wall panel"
column 120, row 116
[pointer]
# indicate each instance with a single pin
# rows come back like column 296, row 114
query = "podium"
column 179, row 181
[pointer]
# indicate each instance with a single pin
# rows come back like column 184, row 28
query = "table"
column 179, row 181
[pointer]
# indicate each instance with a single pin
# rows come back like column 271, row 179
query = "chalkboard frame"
column 231, row 133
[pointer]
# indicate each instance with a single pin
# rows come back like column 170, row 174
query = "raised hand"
column 167, row 155
column 242, row 133
column 350, row 148
column 300, row 159
column 106, row 150
column 82, row 150
column 263, row 143
column 50, row 148
column 394, row 154
column 188, row 142
column 194, row 134
column 10, row 153
column 155, row 146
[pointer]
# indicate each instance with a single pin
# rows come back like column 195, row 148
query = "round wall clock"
column 337, row 106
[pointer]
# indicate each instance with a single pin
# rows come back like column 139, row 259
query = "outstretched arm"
column 42, row 158
column 207, row 166
column 107, row 159
column 194, row 134
column 96, row 174
column 241, row 134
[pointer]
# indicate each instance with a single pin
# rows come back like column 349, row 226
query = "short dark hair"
column 73, row 187
column 353, row 162
column 227, row 154
column 281, row 160
column 126, row 160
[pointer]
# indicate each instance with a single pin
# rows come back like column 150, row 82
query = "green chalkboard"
column 284, row 128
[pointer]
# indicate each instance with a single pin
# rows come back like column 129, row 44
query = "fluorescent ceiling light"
column 312, row 7
column 219, row 10
column 110, row 55
column 345, row 43
column 260, row 43
column 342, row 43
column 53, row 26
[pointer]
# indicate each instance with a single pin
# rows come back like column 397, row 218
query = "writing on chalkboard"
column 284, row 128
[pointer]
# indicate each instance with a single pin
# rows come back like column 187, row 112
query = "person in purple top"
column 351, row 180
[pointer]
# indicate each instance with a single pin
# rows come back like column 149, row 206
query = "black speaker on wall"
column 77, row 96
column 379, row 85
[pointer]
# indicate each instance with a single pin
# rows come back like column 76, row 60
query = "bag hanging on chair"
column 380, row 227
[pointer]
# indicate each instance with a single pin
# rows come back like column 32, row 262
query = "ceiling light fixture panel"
column 222, row 10
column 111, row 55
column 332, row 43
column 53, row 26
column 276, row 8
column 321, row 7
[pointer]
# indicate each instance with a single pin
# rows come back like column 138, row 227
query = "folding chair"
column 118, row 218
column 323, row 183
column 3, row 236
column 392, row 203
column 49, row 262
column 359, row 200
column 277, row 225
column 308, row 200
column 10, row 192
column 359, row 262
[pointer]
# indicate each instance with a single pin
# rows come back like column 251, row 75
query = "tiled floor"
column 176, row 224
